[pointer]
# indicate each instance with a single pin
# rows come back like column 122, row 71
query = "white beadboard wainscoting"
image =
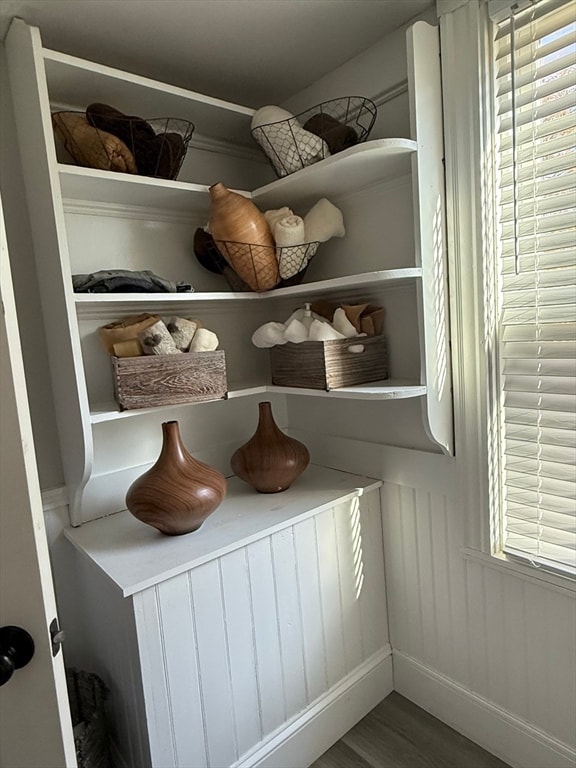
column 490, row 652
column 263, row 655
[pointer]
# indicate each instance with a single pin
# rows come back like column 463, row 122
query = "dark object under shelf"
column 87, row 695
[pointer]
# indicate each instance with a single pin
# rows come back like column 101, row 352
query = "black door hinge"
column 57, row 636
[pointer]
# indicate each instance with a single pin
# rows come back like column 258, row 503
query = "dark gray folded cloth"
column 126, row 281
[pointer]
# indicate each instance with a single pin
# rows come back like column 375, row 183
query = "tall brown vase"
column 270, row 461
column 243, row 237
column 178, row 493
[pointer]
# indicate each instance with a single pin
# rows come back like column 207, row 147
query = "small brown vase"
column 243, row 237
column 270, row 461
column 178, row 493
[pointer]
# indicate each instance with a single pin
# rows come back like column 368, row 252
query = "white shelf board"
column 76, row 83
column 348, row 171
column 106, row 189
column 389, row 389
column 369, row 280
column 136, row 556
column 381, row 278
column 109, row 411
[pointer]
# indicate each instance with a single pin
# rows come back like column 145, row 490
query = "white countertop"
column 136, row 556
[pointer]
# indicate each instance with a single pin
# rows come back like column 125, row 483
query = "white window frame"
column 465, row 33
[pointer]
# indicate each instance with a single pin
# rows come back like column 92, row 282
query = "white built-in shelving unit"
column 67, row 200
column 153, row 599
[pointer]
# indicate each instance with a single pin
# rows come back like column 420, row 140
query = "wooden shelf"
column 348, row 171
column 135, row 556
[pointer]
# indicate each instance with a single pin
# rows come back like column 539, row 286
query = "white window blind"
column 535, row 117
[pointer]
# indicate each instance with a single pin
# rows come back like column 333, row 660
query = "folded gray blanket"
column 126, row 281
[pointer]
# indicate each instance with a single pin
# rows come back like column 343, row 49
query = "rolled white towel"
column 289, row 230
column 290, row 251
column 284, row 141
column 323, row 221
column 156, row 340
column 182, row 331
column 204, row 341
column 275, row 214
column 269, row 335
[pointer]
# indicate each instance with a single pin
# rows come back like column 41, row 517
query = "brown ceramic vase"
column 270, row 461
column 243, row 237
column 178, row 493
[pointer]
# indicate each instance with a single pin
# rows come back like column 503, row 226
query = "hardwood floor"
column 398, row 734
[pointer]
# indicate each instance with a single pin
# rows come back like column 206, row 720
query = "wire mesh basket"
column 116, row 142
column 249, row 267
column 87, row 695
column 316, row 133
column 263, row 267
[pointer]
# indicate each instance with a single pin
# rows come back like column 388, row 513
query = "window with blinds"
column 535, row 119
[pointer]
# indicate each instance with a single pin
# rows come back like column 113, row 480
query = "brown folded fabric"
column 155, row 155
column 337, row 135
column 372, row 321
column 130, row 348
column 163, row 155
column 366, row 318
column 125, row 330
column 90, row 147
column 324, row 309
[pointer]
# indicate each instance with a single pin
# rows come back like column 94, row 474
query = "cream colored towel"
column 323, row 221
column 156, row 340
column 275, row 214
column 289, row 230
column 290, row 246
column 285, row 142
column 204, row 341
column 182, row 330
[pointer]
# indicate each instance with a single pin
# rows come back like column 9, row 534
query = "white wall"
column 475, row 631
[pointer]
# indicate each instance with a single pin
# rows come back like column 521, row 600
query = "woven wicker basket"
column 87, row 695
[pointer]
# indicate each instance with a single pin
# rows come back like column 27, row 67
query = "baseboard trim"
column 508, row 737
column 312, row 732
